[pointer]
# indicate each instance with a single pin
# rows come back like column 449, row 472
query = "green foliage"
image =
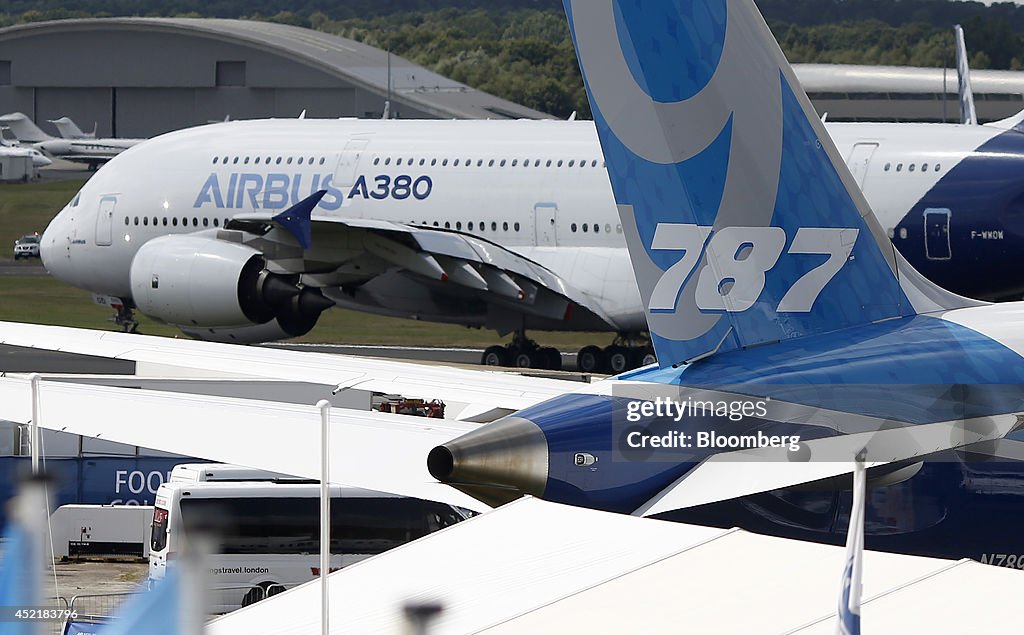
column 990, row 43
column 524, row 55
column 27, row 208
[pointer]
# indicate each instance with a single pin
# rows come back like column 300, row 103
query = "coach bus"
column 269, row 531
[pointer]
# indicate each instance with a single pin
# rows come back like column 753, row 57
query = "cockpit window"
column 74, row 201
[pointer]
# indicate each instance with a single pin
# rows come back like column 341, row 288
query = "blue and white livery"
column 791, row 337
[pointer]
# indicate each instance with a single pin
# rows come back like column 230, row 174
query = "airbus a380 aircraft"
column 502, row 225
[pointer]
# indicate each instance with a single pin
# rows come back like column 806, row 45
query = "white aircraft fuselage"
column 537, row 188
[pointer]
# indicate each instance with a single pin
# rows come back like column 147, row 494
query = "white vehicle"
column 271, row 531
column 26, row 247
column 220, row 472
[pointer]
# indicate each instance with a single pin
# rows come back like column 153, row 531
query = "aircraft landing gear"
column 125, row 319
column 628, row 351
column 522, row 352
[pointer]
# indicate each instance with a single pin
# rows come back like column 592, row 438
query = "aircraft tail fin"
column 23, row 128
column 968, row 115
column 67, row 129
column 743, row 222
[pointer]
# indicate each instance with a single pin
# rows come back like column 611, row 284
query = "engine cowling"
column 294, row 319
column 201, row 283
column 269, row 332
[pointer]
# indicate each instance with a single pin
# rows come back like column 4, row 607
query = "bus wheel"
column 263, row 590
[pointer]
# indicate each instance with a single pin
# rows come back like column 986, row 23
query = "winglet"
column 296, row 219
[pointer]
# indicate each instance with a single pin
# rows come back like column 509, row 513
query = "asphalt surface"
column 32, row 269
column 16, row 359
column 61, row 170
column 454, row 355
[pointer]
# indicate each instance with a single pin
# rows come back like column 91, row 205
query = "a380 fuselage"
column 950, row 196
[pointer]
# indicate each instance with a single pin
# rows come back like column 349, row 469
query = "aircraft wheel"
column 552, row 358
column 618, row 359
column 525, row 359
column 643, row 357
column 590, row 359
column 495, row 356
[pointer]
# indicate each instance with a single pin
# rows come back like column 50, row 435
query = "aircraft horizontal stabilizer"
column 729, row 475
column 477, row 391
column 372, row 450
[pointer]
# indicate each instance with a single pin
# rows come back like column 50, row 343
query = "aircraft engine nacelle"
column 195, row 281
column 55, row 147
column 271, row 331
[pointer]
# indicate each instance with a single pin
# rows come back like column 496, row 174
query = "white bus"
column 225, row 472
column 270, row 537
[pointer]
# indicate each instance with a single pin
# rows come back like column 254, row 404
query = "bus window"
column 374, row 525
column 159, row 538
column 359, row 525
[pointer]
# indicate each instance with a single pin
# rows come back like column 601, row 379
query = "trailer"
column 101, row 530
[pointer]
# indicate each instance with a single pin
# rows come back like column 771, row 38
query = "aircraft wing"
column 485, row 395
column 372, row 450
column 474, row 275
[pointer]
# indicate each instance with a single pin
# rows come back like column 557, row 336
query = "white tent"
column 533, row 566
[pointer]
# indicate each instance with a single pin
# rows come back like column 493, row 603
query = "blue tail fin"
column 743, row 223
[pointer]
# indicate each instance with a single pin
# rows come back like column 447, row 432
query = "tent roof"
column 538, row 565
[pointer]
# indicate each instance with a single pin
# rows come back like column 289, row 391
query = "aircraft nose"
column 48, row 246
column 496, row 463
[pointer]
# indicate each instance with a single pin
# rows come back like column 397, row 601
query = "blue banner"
column 121, row 480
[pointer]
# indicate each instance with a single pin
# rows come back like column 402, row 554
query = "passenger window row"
column 494, row 226
column 482, row 226
column 501, row 163
column 258, row 160
column 912, row 167
column 173, row 221
column 594, row 227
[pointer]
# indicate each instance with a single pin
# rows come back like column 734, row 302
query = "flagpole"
column 325, row 514
column 848, row 622
column 34, row 425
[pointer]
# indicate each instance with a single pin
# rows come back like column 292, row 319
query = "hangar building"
column 138, row 77
column 904, row 93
